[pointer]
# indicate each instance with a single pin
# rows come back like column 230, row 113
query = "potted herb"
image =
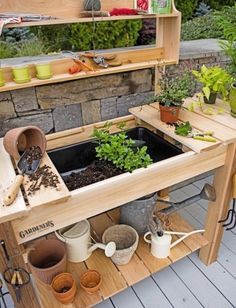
column 173, row 92
column 215, row 80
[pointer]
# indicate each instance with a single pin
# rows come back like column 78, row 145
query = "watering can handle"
column 145, row 237
column 183, row 237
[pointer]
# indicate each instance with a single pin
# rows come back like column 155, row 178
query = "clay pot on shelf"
column 90, row 281
column 169, row 114
column 2, row 81
column 64, row 288
column 126, row 239
column 43, row 70
column 21, row 73
column 18, row 139
column 47, row 259
column 232, row 99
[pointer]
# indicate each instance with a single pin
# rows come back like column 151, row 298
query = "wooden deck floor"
column 187, row 283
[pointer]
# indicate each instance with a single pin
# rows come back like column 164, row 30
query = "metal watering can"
column 161, row 243
column 78, row 242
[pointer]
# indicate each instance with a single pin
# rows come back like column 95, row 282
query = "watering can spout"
column 185, row 234
column 109, row 248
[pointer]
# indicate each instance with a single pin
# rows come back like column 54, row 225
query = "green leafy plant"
column 201, row 27
column 226, row 21
column 186, row 7
column 214, row 80
column 32, row 47
column 175, row 89
column 120, row 150
column 183, row 129
column 6, row 50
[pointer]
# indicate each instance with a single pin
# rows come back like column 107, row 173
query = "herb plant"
column 120, row 150
column 214, row 80
column 175, row 89
column 183, row 129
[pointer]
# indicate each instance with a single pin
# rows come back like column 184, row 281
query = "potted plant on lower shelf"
column 173, row 92
column 215, row 80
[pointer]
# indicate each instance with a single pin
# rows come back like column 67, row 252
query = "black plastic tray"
column 78, row 156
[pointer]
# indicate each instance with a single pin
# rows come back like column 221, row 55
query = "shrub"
column 187, row 8
column 32, row 47
column 6, row 50
column 201, row 28
column 17, row 34
column 219, row 4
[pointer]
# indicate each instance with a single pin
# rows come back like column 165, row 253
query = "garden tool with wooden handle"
column 25, row 168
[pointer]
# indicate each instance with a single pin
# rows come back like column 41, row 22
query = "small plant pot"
column 47, row 259
column 232, row 99
column 2, row 81
column 90, row 281
column 21, row 74
column 64, row 288
column 18, row 139
column 169, row 114
column 211, row 100
column 43, row 70
column 126, row 239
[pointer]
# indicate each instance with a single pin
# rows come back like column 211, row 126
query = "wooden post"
column 223, row 181
column 28, row 297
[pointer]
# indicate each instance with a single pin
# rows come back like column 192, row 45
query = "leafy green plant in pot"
column 173, row 92
column 215, row 80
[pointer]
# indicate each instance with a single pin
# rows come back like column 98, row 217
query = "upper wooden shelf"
column 87, row 19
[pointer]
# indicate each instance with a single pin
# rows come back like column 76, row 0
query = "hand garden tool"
column 207, row 193
column 203, row 136
column 76, row 57
column 28, row 164
column 231, row 215
column 17, row 277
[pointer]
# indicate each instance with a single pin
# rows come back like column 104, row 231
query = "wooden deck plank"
column 199, row 285
column 150, row 295
column 151, row 116
column 175, row 290
column 18, row 207
column 127, row 299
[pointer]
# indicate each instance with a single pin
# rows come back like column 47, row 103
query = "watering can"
column 161, row 244
column 78, row 242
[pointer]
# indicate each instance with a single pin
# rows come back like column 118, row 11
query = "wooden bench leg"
column 217, row 210
column 28, row 297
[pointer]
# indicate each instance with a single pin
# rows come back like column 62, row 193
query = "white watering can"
column 161, row 245
column 78, row 242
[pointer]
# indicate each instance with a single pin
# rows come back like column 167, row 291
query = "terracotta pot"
column 47, row 259
column 211, row 100
column 232, row 99
column 169, row 114
column 90, row 281
column 64, row 288
column 18, row 139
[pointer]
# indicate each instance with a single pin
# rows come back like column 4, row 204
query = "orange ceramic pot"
column 18, row 139
column 169, row 114
column 64, row 288
column 90, row 281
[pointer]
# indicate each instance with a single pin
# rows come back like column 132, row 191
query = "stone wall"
column 71, row 104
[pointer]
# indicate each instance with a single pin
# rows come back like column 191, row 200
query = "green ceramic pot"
column 2, row 81
column 232, row 99
column 21, row 73
column 43, row 70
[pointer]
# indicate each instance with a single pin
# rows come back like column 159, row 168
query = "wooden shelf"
column 87, row 19
column 117, row 278
column 132, row 60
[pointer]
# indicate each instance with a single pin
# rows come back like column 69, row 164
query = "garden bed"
column 78, row 165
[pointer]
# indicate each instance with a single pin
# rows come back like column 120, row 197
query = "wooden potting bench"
column 27, row 220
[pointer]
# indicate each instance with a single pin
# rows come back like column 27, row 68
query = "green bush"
column 201, row 28
column 187, row 8
column 33, row 47
column 219, row 4
column 7, row 50
column 84, row 36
